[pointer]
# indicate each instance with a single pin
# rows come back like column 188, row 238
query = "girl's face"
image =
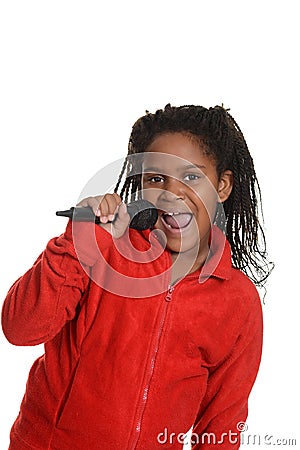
column 182, row 182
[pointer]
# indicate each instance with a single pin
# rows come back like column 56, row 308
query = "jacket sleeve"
column 224, row 409
column 40, row 302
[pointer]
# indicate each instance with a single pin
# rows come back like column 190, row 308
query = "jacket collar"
column 218, row 263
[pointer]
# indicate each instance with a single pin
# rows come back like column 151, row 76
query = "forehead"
column 176, row 150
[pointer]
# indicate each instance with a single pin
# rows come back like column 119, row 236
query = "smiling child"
column 139, row 349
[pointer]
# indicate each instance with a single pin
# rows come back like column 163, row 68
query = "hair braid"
column 121, row 176
column 225, row 143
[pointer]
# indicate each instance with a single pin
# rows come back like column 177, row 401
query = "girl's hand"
column 106, row 207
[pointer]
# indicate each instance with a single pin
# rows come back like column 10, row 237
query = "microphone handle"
column 143, row 214
column 80, row 214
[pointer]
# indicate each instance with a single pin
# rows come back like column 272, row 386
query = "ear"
column 225, row 185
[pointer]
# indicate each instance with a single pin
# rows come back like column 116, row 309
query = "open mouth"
column 176, row 221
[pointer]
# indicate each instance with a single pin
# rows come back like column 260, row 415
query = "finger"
column 114, row 201
column 102, row 208
column 122, row 221
column 122, row 211
column 91, row 202
column 108, row 208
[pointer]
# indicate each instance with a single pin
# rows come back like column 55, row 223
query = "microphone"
column 143, row 214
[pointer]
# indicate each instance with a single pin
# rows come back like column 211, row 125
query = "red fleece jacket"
column 124, row 372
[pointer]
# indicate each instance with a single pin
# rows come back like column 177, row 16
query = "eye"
column 155, row 179
column 192, row 177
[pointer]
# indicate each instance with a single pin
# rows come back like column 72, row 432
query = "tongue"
column 178, row 220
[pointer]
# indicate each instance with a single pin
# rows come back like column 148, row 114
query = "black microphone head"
column 143, row 214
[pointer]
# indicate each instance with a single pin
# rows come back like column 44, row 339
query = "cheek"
column 152, row 198
column 205, row 200
column 150, row 194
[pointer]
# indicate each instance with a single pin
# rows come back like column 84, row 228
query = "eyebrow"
column 189, row 166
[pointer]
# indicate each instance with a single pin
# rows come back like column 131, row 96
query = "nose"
column 173, row 190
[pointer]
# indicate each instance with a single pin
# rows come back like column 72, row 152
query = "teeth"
column 171, row 221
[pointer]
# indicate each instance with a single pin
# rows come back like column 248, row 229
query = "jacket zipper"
column 143, row 400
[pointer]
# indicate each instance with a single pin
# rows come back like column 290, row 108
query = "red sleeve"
column 40, row 303
column 224, row 408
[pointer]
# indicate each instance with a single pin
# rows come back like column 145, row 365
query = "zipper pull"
column 168, row 297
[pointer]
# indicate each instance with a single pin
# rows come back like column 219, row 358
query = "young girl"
column 148, row 333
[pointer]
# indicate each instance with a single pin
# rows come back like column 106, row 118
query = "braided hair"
column 225, row 143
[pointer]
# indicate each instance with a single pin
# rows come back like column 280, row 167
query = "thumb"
column 122, row 221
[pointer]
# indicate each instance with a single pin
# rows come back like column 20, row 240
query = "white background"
column 76, row 75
